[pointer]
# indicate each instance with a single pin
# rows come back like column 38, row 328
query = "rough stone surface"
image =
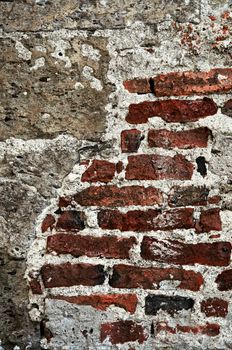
column 74, row 76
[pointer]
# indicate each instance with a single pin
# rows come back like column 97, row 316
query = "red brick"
column 130, row 140
column 179, row 139
column 34, row 284
column 128, row 276
column 64, row 202
column 227, row 108
column 214, row 307
column 210, row 329
column 188, row 195
column 121, row 332
column 99, row 170
column 217, row 80
column 67, row 275
column 138, row 85
column 113, row 196
column 209, row 220
column 45, row 331
column 215, row 200
column 119, row 167
column 224, row 280
column 175, row 252
column 71, row 220
column 103, row 301
column 48, row 223
column 78, row 245
column 141, row 221
column 156, row 167
column 172, row 111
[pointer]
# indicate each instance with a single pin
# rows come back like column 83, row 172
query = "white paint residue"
column 91, row 52
column 23, row 52
column 165, row 249
column 40, row 62
column 60, row 47
column 94, row 82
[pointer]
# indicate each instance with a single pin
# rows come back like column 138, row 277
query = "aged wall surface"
column 115, row 164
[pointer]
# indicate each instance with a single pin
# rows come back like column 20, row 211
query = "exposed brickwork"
column 156, row 167
column 126, row 276
column 181, row 139
column 227, row 108
column 103, row 301
column 140, row 86
column 210, row 329
column 135, row 244
column 175, row 252
column 209, row 220
column 122, row 332
column 173, row 304
column 224, row 280
column 149, row 220
column 99, row 170
column 130, row 140
column 105, row 246
column 71, row 221
column 214, row 307
column 67, row 275
column 113, row 196
column 48, row 223
column 172, row 111
column 181, row 196
column 188, row 83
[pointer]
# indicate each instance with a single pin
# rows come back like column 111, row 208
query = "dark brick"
column 67, row 275
column 171, row 304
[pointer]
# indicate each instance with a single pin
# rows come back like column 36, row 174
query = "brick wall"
column 137, row 241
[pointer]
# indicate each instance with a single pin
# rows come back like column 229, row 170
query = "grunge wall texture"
column 115, row 130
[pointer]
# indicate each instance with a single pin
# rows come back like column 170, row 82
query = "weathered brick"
column 78, row 245
column 130, row 140
column 156, row 167
column 138, row 85
column 71, row 220
column 67, row 275
column 48, row 223
column 224, row 280
column 178, row 139
column 210, row 329
column 128, row 276
column 209, row 220
column 103, row 301
column 227, row 108
column 113, row 196
column 172, row 111
column 121, row 332
column 34, row 284
column 216, row 80
column 99, row 170
column 64, row 202
column 176, row 252
column 214, row 307
column 141, row 221
column 170, row 304
column 188, row 195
